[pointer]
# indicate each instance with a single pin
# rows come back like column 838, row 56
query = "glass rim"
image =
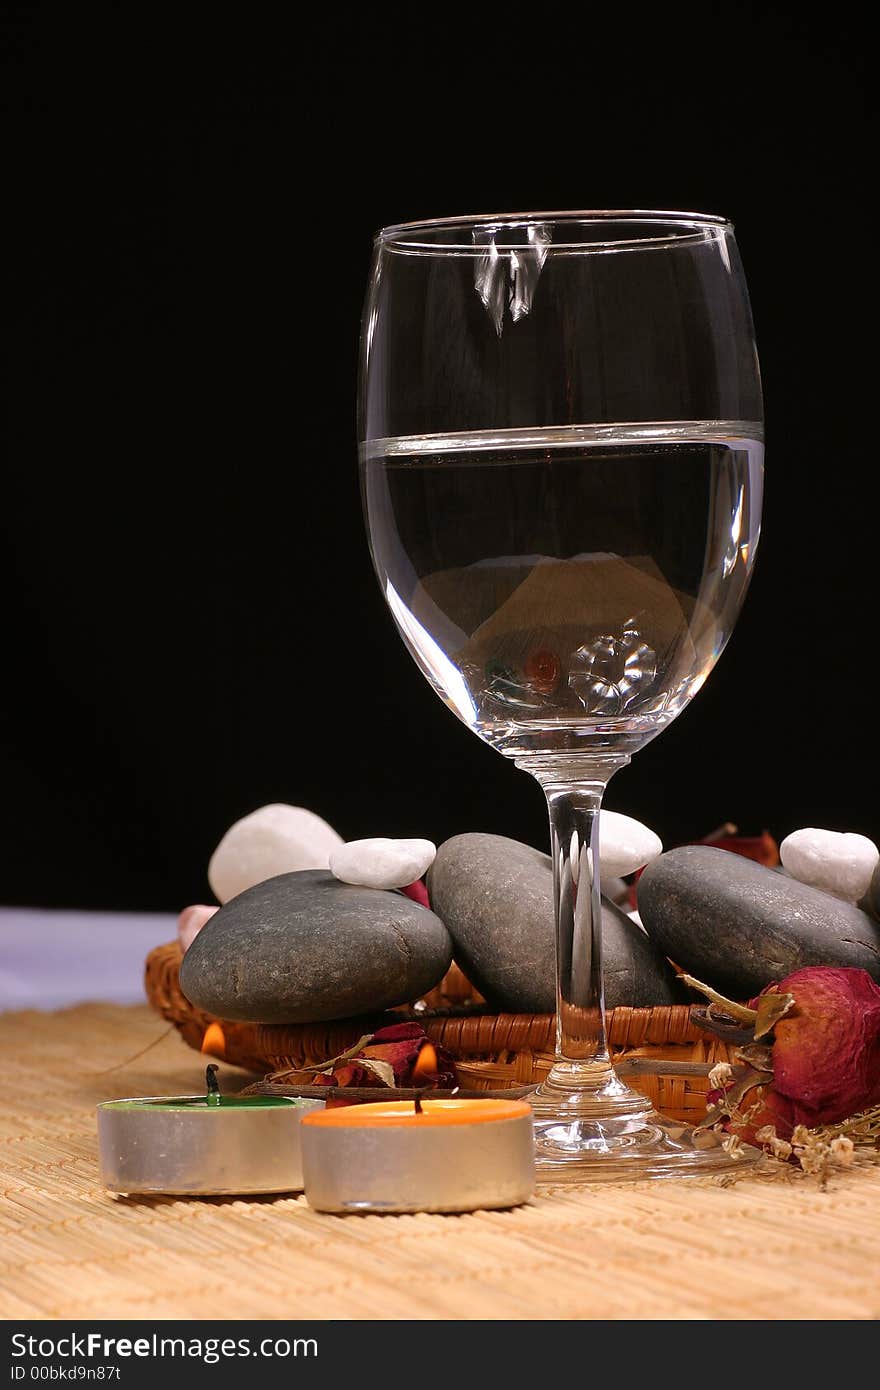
column 409, row 233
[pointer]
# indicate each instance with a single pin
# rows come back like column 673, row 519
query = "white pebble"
column 839, row 863
column 382, row 863
column 276, row 839
column 625, row 845
column 191, row 921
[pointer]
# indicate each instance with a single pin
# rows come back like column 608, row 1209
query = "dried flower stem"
column 740, row 1011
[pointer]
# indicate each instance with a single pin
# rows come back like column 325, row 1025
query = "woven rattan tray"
column 492, row 1050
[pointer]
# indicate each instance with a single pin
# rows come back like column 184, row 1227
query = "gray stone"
column 738, row 926
column 496, row 897
column 303, row 947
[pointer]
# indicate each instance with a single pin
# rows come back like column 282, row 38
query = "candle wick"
column 213, row 1097
column 417, row 1102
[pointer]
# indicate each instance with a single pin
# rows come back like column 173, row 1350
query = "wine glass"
column 561, row 463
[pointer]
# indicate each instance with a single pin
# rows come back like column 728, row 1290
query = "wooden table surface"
column 677, row 1249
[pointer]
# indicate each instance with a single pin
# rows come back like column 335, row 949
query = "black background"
column 191, row 624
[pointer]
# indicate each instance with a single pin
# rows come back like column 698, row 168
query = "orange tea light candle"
column 405, row 1156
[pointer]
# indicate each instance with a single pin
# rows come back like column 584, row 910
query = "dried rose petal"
column 826, row 1050
column 418, row 892
column 396, row 1032
column 346, row 1074
column 762, row 848
column 403, row 1055
column 398, row 1046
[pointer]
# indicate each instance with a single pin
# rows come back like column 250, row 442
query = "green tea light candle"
column 202, row 1146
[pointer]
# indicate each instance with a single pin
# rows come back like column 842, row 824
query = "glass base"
column 613, row 1134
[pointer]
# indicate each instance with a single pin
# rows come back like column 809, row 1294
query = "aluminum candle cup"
column 199, row 1147
column 455, row 1155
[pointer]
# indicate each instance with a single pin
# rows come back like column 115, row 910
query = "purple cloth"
column 50, row 960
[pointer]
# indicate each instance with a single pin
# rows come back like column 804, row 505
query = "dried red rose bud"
column 826, row 1049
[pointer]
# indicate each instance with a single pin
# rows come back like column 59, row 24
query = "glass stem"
column 580, row 993
column 583, row 1065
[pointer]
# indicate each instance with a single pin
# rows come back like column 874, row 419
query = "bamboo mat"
column 664, row 1250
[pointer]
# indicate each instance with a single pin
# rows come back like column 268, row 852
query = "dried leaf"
column 771, row 1008
column 757, row 1055
column 383, row 1070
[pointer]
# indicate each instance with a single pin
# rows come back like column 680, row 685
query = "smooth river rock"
column 191, row 921
column 276, row 839
column 738, row 926
column 871, row 900
column 382, row 863
column 625, row 845
column 496, row 897
column 303, row 947
column 841, row 864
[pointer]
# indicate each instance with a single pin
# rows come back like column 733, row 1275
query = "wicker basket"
column 492, row 1050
